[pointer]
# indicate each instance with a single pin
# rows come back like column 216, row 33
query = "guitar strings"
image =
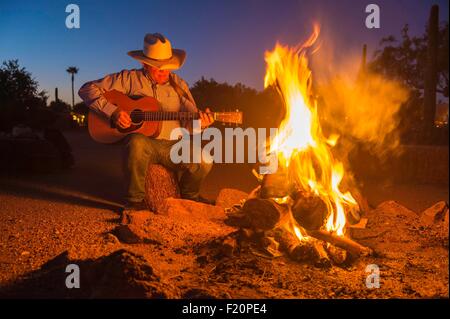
column 167, row 115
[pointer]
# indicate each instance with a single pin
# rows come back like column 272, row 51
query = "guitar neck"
column 171, row 116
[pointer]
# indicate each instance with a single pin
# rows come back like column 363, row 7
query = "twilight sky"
column 224, row 40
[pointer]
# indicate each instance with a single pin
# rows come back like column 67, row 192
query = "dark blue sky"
column 225, row 40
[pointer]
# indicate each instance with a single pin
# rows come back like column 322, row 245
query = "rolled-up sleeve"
column 92, row 92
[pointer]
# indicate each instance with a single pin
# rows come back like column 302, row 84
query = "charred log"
column 296, row 249
column 265, row 214
column 337, row 255
column 274, row 186
column 345, row 243
column 309, row 211
column 322, row 260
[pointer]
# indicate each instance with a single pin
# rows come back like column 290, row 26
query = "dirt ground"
column 48, row 221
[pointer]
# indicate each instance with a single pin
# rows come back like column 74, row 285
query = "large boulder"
column 178, row 222
column 435, row 214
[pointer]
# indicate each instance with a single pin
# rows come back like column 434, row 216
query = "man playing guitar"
column 155, row 79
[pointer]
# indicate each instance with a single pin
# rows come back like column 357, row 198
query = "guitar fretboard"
column 166, row 116
column 156, row 116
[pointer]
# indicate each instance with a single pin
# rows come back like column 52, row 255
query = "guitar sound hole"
column 137, row 116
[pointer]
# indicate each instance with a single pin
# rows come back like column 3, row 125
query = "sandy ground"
column 42, row 216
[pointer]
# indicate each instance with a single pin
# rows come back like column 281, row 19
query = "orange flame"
column 301, row 148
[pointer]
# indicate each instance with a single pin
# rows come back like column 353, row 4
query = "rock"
column 436, row 213
column 121, row 274
column 61, row 260
column 160, row 183
column 111, row 239
column 129, row 234
column 183, row 208
column 228, row 197
column 132, row 229
column 124, row 274
column 135, row 234
column 138, row 218
column 394, row 208
column 178, row 222
column 184, row 222
column 435, row 220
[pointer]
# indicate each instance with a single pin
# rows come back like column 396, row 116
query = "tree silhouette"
column 72, row 70
column 261, row 109
column 405, row 60
column 20, row 98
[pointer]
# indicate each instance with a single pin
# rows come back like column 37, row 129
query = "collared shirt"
column 138, row 83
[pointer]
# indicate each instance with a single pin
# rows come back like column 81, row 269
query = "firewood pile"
column 268, row 217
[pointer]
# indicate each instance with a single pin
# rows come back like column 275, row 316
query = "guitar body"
column 102, row 131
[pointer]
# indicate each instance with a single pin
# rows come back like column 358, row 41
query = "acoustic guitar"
column 146, row 117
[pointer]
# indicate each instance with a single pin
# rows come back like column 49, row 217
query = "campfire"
column 302, row 208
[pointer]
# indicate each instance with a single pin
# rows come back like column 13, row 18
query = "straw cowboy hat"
column 158, row 52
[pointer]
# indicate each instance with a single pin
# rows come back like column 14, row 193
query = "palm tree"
column 72, row 70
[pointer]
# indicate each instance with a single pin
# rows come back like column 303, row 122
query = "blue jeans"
column 142, row 151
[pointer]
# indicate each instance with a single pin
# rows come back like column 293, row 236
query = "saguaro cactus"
column 431, row 70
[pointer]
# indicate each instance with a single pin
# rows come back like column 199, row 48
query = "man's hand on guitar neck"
column 206, row 117
column 121, row 119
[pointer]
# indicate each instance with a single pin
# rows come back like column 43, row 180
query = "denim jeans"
column 140, row 151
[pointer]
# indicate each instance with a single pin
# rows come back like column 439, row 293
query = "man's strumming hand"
column 121, row 119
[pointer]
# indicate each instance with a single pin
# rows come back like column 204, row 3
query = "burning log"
column 322, row 259
column 238, row 218
column 297, row 250
column 270, row 246
column 245, row 234
column 337, row 255
column 309, row 211
column 265, row 214
column 254, row 193
column 342, row 242
column 274, row 186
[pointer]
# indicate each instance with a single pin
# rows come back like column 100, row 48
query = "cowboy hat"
column 158, row 52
